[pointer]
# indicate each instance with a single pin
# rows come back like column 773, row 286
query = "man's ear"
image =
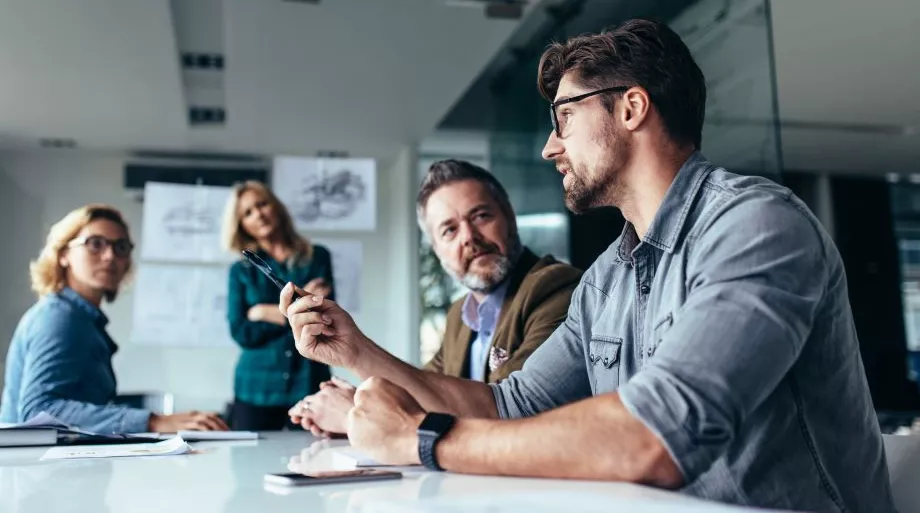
column 636, row 107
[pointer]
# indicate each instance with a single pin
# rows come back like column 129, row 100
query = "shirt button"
column 606, row 361
column 644, row 289
column 286, row 375
column 486, row 333
column 288, row 353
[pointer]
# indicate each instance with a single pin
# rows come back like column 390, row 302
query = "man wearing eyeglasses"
column 710, row 349
column 515, row 299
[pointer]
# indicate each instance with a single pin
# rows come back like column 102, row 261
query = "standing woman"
column 270, row 375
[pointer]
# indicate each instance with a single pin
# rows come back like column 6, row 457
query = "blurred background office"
column 101, row 98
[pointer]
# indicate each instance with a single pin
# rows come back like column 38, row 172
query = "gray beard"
column 493, row 277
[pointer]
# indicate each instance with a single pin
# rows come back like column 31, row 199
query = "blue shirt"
column 727, row 331
column 60, row 362
column 482, row 319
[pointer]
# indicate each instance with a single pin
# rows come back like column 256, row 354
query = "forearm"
column 267, row 312
column 434, row 392
column 96, row 418
column 253, row 334
column 592, row 439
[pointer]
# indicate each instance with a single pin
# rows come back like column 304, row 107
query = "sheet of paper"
column 170, row 447
column 43, row 419
column 347, row 262
column 176, row 305
column 182, row 223
column 327, row 194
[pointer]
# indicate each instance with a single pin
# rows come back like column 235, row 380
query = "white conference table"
column 228, row 477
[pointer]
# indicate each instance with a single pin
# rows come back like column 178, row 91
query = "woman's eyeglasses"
column 97, row 244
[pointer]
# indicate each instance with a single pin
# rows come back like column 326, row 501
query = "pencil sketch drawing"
column 188, row 220
column 334, row 195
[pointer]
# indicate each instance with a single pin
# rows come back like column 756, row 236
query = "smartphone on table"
column 330, row 477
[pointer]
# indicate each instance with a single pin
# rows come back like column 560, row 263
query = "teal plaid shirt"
column 270, row 371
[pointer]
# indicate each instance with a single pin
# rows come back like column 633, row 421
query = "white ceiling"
column 363, row 76
column 368, row 76
column 101, row 71
column 848, row 71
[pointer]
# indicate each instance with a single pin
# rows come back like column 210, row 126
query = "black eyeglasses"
column 580, row 97
column 97, row 244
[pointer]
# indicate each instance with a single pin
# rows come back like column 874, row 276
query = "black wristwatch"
column 432, row 429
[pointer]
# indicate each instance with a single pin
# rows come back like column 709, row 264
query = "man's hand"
column 266, row 313
column 323, row 331
column 190, row 421
column 318, row 287
column 325, row 413
column 384, row 421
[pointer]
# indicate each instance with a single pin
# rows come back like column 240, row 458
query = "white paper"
column 347, row 262
column 44, row 420
column 173, row 446
column 182, row 223
column 181, row 305
column 41, row 420
column 327, row 194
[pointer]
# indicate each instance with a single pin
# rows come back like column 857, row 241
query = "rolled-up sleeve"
column 755, row 279
column 555, row 374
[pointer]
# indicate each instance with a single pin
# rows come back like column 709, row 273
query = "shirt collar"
column 669, row 221
column 74, row 298
column 472, row 309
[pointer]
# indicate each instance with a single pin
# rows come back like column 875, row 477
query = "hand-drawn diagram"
column 182, row 223
column 327, row 194
column 181, row 305
column 189, row 220
column 331, row 197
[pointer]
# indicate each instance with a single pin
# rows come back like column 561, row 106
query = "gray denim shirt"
column 60, row 362
column 727, row 331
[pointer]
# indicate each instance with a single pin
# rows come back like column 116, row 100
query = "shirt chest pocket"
column 604, row 363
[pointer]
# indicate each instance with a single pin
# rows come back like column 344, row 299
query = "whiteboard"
column 180, row 305
column 327, row 194
column 182, row 223
column 347, row 262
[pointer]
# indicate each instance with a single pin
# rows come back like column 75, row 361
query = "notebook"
column 45, row 429
column 27, row 437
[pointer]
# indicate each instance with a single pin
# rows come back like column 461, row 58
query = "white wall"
column 38, row 188
column 20, row 233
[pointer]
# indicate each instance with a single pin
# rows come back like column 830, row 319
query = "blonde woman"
column 270, row 375
column 60, row 359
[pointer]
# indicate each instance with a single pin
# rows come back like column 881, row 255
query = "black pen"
column 263, row 266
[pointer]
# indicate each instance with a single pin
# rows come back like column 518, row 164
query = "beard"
column 598, row 186
column 488, row 280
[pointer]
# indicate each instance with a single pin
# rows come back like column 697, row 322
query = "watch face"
column 435, row 424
